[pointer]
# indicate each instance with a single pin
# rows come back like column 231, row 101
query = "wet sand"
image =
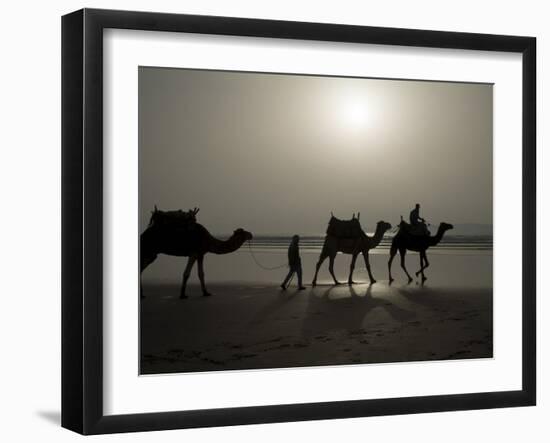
column 254, row 324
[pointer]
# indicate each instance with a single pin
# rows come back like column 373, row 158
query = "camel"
column 192, row 240
column 404, row 241
column 353, row 246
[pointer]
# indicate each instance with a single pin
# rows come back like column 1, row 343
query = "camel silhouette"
column 404, row 241
column 186, row 240
column 354, row 246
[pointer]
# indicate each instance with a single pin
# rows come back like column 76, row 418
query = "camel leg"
column 145, row 260
column 423, row 258
column 322, row 258
column 186, row 275
column 426, row 264
column 200, row 267
column 393, row 251
column 367, row 264
column 351, row 269
column 331, row 270
column 421, row 270
column 402, row 252
column 423, row 265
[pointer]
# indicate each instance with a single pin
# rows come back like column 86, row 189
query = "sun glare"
column 354, row 115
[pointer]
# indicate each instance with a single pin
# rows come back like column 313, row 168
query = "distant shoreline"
column 448, row 268
column 315, row 242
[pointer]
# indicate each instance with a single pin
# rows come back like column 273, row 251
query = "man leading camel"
column 294, row 263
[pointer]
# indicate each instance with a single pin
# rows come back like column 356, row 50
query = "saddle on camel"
column 175, row 219
column 419, row 229
column 345, row 228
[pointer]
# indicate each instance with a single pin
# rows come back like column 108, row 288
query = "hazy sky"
column 276, row 153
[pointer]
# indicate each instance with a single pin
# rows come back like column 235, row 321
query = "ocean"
column 313, row 243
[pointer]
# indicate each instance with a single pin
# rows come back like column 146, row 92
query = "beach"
column 250, row 323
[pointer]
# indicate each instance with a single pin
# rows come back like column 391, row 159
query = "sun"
column 354, row 115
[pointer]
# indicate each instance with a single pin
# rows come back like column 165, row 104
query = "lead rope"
column 259, row 264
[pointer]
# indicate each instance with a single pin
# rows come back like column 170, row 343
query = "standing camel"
column 353, row 246
column 404, row 241
column 192, row 240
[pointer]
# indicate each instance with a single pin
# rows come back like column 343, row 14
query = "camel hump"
column 344, row 228
column 177, row 218
column 417, row 230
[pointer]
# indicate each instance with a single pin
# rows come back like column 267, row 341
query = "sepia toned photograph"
column 305, row 220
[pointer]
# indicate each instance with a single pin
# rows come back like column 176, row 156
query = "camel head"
column 445, row 226
column 241, row 234
column 383, row 226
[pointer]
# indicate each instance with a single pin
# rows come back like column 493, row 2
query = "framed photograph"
column 268, row 221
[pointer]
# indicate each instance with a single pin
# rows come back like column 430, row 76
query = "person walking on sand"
column 294, row 263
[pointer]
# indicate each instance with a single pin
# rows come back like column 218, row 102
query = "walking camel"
column 188, row 239
column 404, row 241
column 361, row 243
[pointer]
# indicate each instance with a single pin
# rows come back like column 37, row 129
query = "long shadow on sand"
column 447, row 299
column 345, row 312
column 278, row 303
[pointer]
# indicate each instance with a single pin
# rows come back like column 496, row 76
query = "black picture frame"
column 82, row 218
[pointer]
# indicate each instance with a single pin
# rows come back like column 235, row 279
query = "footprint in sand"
column 275, row 340
column 214, row 362
column 241, row 356
column 192, row 354
column 322, row 338
column 281, row 346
